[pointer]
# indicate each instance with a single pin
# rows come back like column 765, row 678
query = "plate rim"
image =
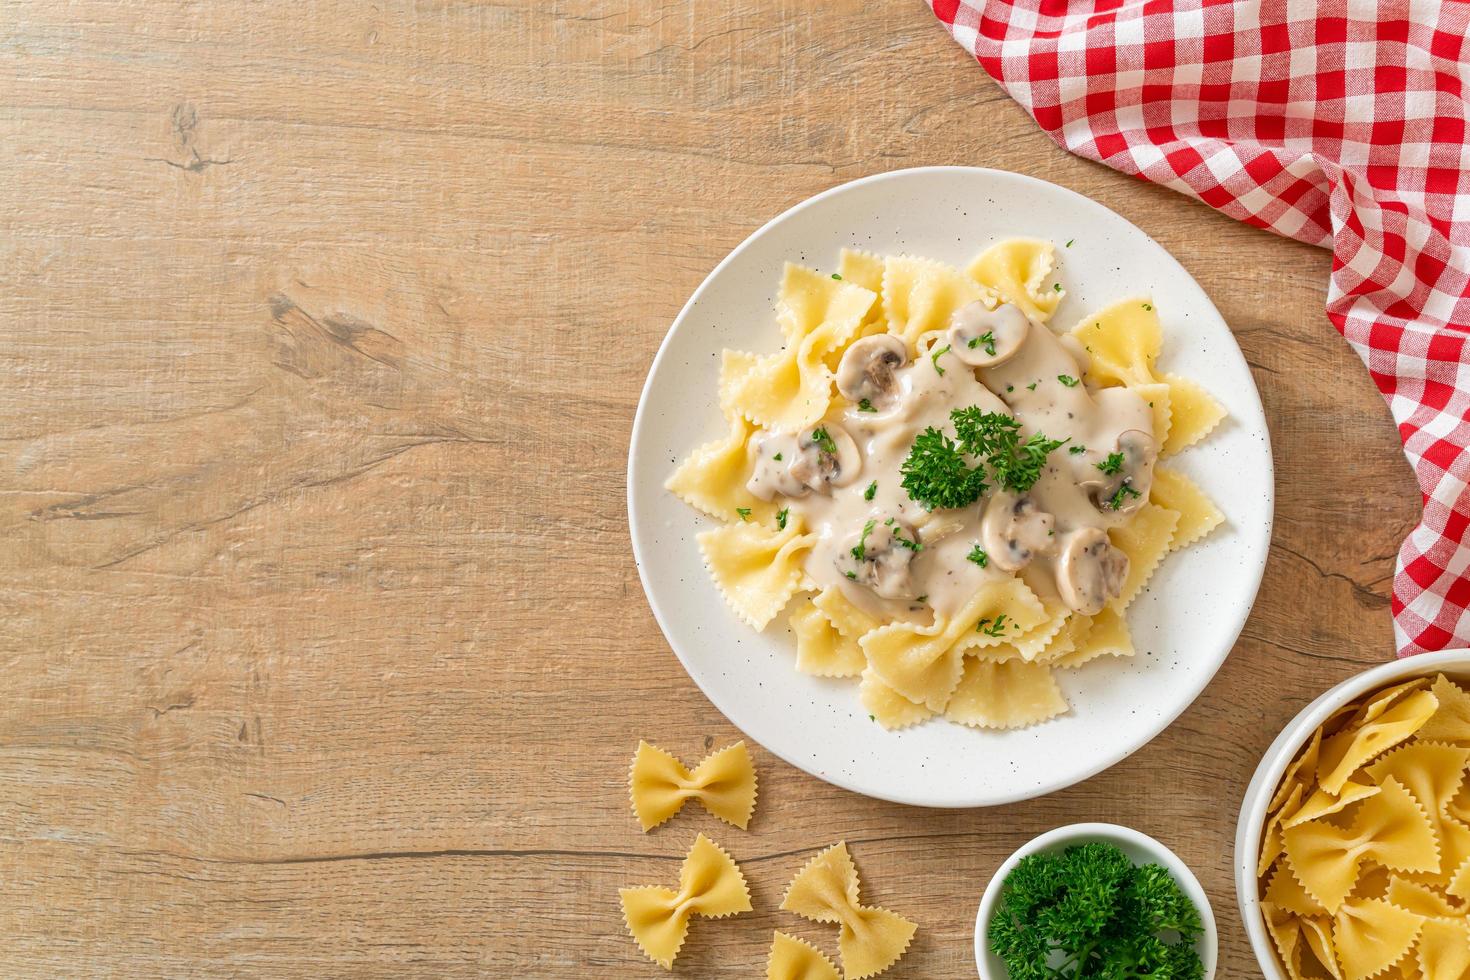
column 1047, row 787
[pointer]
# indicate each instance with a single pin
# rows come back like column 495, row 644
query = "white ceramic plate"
column 1184, row 624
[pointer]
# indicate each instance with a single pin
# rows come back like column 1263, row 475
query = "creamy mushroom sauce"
column 940, row 579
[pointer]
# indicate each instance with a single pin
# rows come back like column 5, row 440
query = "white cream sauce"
column 940, row 579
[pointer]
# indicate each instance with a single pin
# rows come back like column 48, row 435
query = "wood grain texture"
column 323, row 649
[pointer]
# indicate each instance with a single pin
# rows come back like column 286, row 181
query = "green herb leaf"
column 1116, row 502
column 995, row 437
column 744, row 513
column 777, row 457
column 996, row 628
column 1067, row 380
column 1076, row 450
column 851, row 575
column 1032, row 386
column 860, row 550
column 934, row 359
column 936, row 474
column 987, row 338
column 1148, row 306
column 978, row 556
column 1057, row 286
column 836, row 276
column 872, row 489
column 1070, row 241
column 781, row 518
column 824, row 442
column 1112, row 464
column 866, row 406
column 904, row 542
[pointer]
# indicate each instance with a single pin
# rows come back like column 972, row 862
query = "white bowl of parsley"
column 1095, row 899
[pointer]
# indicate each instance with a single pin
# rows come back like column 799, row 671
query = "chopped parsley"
column 866, row 406
column 872, row 718
column 1116, row 502
column 777, row 457
column 988, row 339
column 872, row 489
column 996, row 438
column 923, row 598
column 1067, row 380
column 1076, row 450
column 860, row 551
column 938, row 473
column 934, row 358
column 904, row 542
column 851, row 575
column 1032, row 386
column 781, row 518
column 1057, row 286
column 1112, row 464
column 978, row 556
column 744, row 513
column 1010, row 388
column 1149, row 307
column 836, row 276
column 823, row 441
column 996, row 628
column 1070, row 241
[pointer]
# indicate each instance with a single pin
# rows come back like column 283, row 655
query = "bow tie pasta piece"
column 724, row 784
column 710, row 885
column 1350, row 749
column 1145, row 539
column 821, row 649
column 1419, row 899
column 1372, row 935
column 848, row 619
column 1443, row 952
column 924, row 663
column 866, row 270
column 1390, row 829
column 1123, row 341
column 1324, row 804
column 1103, row 635
column 713, row 478
column 1433, row 773
column 1198, row 516
column 920, row 295
column 1451, row 723
column 793, row 388
column 1006, row 694
column 886, row 706
column 826, row 890
column 757, row 568
column 1017, row 270
column 1285, row 892
column 796, row 959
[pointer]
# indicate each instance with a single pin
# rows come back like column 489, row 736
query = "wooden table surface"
column 324, row 653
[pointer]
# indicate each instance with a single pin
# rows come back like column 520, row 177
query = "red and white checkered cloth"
column 1340, row 124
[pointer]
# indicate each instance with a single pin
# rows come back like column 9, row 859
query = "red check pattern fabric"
column 1342, row 124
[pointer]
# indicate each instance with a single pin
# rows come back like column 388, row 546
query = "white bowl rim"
column 1231, row 635
column 1209, row 940
column 1273, row 764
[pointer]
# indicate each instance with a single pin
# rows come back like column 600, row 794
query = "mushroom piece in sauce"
column 985, row 338
column 1090, row 571
column 770, row 474
column 1125, row 488
column 826, row 457
column 865, row 373
column 879, row 557
column 1015, row 531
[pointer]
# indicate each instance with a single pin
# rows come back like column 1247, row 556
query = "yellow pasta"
column 866, row 270
column 821, row 650
column 758, row 569
column 1018, row 270
column 1145, row 540
column 1317, row 932
column 1273, row 844
column 713, row 478
column 1007, row 694
column 1345, row 752
column 845, row 617
column 1433, row 773
column 1193, row 414
column 1444, row 949
column 1418, row 898
column 887, row 707
column 1451, row 721
column 870, row 939
column 1103, row 635
column 724, row 784
column 1371, row 935
column 1174, row 491
column 1324, row 804
column 797, row 959
column 710, row 885
column 920, row 295
column 1285, row 892
column 1390, row 829
column 923, row 663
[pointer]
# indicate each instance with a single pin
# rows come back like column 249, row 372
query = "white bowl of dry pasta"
column 1352, row 857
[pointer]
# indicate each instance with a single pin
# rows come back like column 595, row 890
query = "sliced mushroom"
column 774, row 454
column 1015, row 531
column 1090, row 571
column 1125, row 488
column 826, row 457
column 879, row 556
column 985, row 338
column 865, row 372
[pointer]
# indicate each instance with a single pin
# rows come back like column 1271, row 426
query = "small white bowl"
column 1140, row 848
column 1455, row 663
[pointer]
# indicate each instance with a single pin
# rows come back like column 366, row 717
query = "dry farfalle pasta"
column 1365, row 855
column 797, row 959
column 710, row 885
column 826, row 890
column 724, row 784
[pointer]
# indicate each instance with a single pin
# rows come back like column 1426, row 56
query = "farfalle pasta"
column 724, row 783
column 952, row 500
column 710, row 885
column 1365, row 857
column 870, row 940
column 796, row 959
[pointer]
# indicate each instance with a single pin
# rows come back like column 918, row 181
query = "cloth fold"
column 1340, row 124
